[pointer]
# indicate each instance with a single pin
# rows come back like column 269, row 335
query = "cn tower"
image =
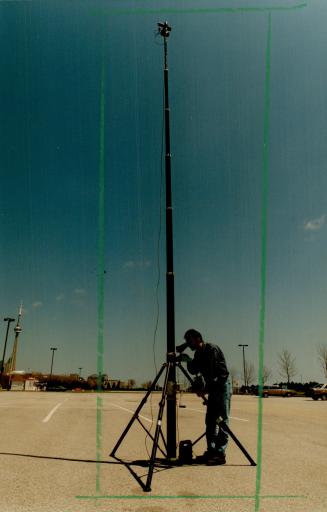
column 17, row 330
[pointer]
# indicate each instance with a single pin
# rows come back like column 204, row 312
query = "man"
column 209, row 361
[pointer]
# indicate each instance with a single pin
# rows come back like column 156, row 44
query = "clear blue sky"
column 50, row 129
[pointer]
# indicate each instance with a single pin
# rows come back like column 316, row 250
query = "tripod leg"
column 135, row 415
column 157, row 432
column 185, row 372
column 226, row 428
column 199, row 438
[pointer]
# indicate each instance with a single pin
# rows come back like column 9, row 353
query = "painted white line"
column 236, row 418
column 129, row 410
column 204, row 411
column 47, row 418
column 196, row 410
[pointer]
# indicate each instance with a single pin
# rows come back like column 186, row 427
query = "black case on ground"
column 185, row 452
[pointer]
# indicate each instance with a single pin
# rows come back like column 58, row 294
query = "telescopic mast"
column 164, row 30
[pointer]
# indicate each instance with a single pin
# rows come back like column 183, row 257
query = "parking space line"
column 48, row 417
column 196, row 410
column 204, row 411
column 129, row 410
column 238, row 419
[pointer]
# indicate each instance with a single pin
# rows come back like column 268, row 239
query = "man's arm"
column 217, row 371
column 192, row 366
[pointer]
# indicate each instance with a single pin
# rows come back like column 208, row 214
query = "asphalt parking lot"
column 54, row 450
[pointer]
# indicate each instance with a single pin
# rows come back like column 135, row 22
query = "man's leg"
column 217, row 439
column 212, row 428
column 223, row 411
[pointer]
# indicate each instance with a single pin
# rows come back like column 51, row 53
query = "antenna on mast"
column 164, row 29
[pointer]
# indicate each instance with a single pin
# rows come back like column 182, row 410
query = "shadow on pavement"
column 160, row 465
column 58, row 458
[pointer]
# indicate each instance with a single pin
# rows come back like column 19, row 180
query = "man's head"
column 193, row 339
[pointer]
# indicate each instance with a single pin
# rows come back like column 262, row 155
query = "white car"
column 319, row 392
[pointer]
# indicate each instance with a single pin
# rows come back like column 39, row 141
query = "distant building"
column 236, row 386
column 92, row 380
column 22, row 382
column 31, row 384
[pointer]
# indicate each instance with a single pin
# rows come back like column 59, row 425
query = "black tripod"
column 168, row 392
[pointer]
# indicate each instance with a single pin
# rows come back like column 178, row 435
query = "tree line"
column 287, row 367
column 286, row 363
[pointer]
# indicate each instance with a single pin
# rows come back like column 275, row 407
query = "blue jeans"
column 218, row 406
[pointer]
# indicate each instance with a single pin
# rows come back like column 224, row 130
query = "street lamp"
column 80, row 372
column 8, row 320
column 240, row 345
column 53, row 351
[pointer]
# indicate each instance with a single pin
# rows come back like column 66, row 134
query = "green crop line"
column 263, row 257
column 203, row 10
column 101, row 225
column 257, row 497
column 212, row 497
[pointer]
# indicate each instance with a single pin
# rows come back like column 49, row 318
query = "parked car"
column 56, row 388
column 278, row 391
column 319, row 392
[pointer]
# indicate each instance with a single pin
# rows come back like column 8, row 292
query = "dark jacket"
column 211, row 363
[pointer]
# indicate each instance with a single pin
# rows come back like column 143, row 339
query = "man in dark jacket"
column 209, row 361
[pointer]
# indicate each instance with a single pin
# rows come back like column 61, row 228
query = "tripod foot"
column 226, row 428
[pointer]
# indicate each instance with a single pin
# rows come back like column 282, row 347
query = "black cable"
column 177, row 414
column 158, row 261
column 159, row 238
column 146, row 437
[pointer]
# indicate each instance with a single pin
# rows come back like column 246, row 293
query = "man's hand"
column 198, row 386
column 184, row 358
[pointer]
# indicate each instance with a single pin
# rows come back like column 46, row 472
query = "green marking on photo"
column 257, row 497
column 204, row 10
column 200, row 497
column 264, row 214
column 101, row 231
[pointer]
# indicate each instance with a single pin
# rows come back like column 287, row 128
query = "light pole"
column 240, row 345
column 8, row 320
column 80, row 372
column 53, row 351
